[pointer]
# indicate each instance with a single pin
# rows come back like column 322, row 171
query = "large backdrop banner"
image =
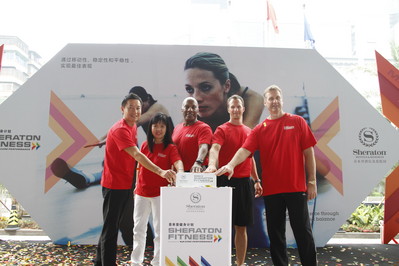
column 74, row 99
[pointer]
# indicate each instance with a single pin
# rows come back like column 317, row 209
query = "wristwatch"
column 257, row 181
column 199, row 161
column 313, row 182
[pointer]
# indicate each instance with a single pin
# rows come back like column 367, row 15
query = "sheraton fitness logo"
column 369, row 138
column 20, row 142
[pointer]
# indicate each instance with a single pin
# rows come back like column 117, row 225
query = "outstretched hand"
column 169, row 175
column 210, row 169
column 225, row 169
column 99, row 144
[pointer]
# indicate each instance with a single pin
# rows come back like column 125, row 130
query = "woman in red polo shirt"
column 159, row 148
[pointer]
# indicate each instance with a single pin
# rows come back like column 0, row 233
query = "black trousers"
column 296, row 203
column 114, row 204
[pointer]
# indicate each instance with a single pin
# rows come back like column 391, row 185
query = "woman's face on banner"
column 207, row 90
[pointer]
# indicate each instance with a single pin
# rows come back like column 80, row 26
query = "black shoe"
column 61, row 169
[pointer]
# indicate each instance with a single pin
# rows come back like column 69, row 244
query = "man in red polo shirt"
column 192, row 137
column 121, row 153
column 285, row 143
column 227, row 139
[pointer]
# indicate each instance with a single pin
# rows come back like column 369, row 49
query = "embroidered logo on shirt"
column 264, row 124
column 288, row 127
column 161, row 155
column 190, row 135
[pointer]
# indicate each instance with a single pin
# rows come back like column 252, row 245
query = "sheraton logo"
column 368, row 136
column 195, row 197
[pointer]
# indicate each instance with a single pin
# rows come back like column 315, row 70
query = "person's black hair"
column 159, row 118
column 142, row 93
column 234, row 85
column 214, row 63
column 130, row 96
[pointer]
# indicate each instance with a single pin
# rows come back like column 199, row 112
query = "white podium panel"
column 196, row 226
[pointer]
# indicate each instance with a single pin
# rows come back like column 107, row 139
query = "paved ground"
column 341, row 250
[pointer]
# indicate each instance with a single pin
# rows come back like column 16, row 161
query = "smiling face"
column 158, row 130
column 131, row 111
column 207, row 90
column 273, row 101
column 190, row 110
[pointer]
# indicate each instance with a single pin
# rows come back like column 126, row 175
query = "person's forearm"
column 146, row 163
column 143, row 160
column 254, row 171
column 310, row 164
column 214, row 155
column 179, row 166
column 239, row 157
column 202, row 152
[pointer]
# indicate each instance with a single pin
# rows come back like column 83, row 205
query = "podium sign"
column 195, row 226
column 196, row 180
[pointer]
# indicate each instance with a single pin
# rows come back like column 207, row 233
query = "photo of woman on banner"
column 209, row 81
column 150, row 108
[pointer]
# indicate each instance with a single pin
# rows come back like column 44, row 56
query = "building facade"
column 18, row 65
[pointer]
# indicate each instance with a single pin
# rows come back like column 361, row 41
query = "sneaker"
column 61, row 169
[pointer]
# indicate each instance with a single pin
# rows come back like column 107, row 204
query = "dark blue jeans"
column 296, row 203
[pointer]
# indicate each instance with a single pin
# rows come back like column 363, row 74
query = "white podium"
column 195, row 226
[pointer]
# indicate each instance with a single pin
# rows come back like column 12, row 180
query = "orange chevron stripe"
column 390, row 72
column 328, row 136
column 327, row 112
column 335, row 181
column 390, row 228
column 73, row 134
column 390, row 110
column 326, row 126
column 389, row 81
column 392, row 183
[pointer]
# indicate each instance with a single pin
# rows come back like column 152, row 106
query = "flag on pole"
column 271, row 15
column 1, row 53
column 308, row 36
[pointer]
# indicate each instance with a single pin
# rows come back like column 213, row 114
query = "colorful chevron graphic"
column 35, row 146
column 325, row 127
column 168, row 262
column 191, row 262
column 180, row 262
column 73, row 134
column 388, row 76
column 204, row 262
column 217, row 238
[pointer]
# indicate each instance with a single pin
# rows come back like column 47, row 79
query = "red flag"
column 271, row 15
column 1, row 53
